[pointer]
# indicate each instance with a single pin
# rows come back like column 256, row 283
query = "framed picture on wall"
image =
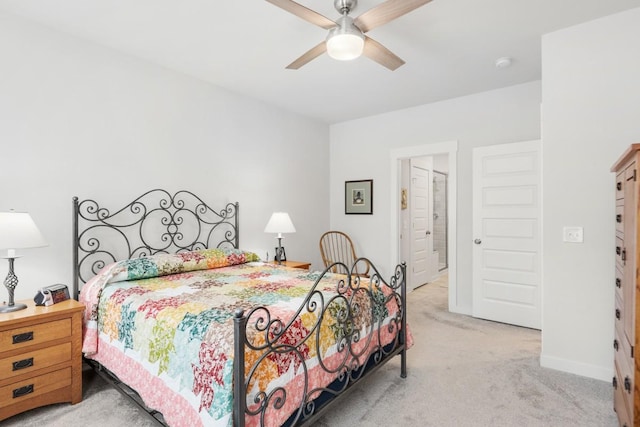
column 358, row 197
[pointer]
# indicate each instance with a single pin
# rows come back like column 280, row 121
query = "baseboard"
column 577, row 368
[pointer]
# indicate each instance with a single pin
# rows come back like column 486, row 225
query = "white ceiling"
column 450, row 46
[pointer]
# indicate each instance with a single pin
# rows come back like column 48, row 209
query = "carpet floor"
column 462, row 372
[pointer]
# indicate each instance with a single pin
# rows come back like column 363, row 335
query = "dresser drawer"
column 620, row 218
column 619, row 401
column 33, row 360
column 621, row 340
column 12, row 339
column 620, row 181
column 620, row 252
column 619, row 280
column 625, row 380
column 34, row 387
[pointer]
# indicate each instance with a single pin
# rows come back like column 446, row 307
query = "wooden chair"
column 336, row 246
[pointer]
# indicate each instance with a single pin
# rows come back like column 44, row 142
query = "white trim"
column 577, row 368
column 396, row 155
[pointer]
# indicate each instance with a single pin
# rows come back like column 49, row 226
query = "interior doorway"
column 440, row 223
column 446, row 152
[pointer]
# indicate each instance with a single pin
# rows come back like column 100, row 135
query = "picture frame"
column 283, row 255
column 358, row 197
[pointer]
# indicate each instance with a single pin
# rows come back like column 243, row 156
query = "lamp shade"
column 18, row 231
column 280, row 223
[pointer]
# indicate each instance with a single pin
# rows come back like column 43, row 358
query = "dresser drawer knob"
column 22, row 364
column 22, row 391
column 618, row 314
column 624, row 255
column 618, row 283
column 615, row 345
column 618, row 250
column 20, row 338
column 615, row 383
column 619, row 218
column 627, row 384
column 619, row 186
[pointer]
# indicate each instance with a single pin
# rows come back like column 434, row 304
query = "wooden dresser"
column 40, row 356
column 625, row 343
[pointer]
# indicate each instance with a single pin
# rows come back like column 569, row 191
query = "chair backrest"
column 336, row 246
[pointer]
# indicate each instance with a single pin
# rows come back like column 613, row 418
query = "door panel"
column 515, row 293
column 506, row 227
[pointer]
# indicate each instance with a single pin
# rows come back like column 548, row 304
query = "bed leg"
column 239, row 390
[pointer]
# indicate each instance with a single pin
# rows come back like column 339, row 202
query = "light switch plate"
column 573, row 234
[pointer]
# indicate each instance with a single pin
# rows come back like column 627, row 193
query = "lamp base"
column 11, row 308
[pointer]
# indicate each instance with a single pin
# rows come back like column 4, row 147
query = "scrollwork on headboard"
column 155, row 222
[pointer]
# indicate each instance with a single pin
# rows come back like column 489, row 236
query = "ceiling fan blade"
column 385, row 12
column 308, row 56
column 304, row 13
column 383, row 56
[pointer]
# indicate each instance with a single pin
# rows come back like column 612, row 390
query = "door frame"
column 397, row 155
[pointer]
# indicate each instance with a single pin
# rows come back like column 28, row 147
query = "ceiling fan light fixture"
column 346, row 41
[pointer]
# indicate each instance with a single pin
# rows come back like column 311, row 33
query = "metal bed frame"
column 161, row 222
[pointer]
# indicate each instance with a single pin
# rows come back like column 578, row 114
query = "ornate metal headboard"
column 155, row 222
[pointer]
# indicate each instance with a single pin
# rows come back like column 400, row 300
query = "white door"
column 421, row 223
column 507, row 233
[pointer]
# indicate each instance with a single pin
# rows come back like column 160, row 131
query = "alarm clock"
column 51, row 295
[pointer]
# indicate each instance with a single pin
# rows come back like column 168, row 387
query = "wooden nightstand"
column 295, row 264
column 40, row 356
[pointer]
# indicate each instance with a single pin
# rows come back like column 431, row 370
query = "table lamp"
column 279, row 223
column 17, row 231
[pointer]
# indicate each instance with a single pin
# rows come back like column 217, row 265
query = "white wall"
column 591, row 95
column 80, row 119
column 360, row 149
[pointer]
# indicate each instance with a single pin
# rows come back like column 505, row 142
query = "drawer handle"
column 618, row 250
column 618, row 283
column 627, row 384
column 615, row 383
column 618, row 314
column 20, row 338
column 22, row 391
column 615, row 345
column 619, row 186
column 619, row 218
column 624, row 255
column 22, row 364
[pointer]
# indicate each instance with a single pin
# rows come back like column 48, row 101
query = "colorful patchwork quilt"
column 164, row 325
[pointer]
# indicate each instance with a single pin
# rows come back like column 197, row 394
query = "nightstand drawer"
column 31, row 335
column 34, row 360
column 34, row 387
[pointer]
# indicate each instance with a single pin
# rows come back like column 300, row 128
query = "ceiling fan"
column 346, row 39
